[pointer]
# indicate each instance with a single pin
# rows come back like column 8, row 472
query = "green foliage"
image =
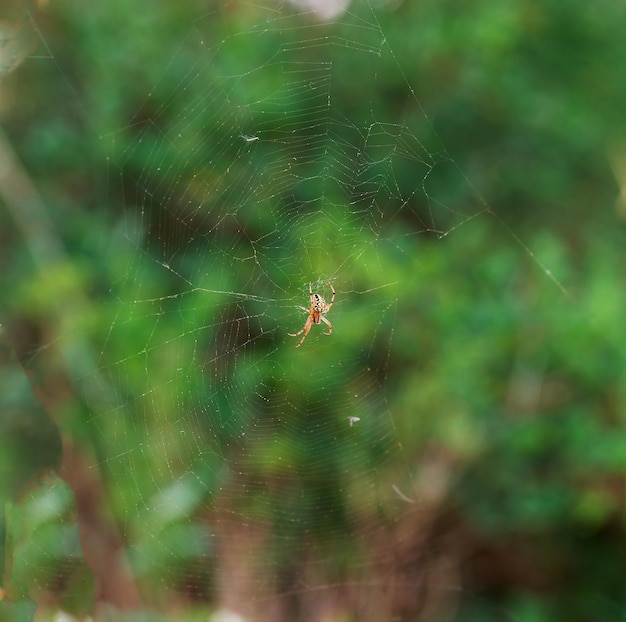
column 495, row 351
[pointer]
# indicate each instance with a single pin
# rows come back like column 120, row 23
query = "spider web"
column 245, row 471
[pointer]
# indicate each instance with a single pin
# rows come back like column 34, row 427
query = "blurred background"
column 174, row 176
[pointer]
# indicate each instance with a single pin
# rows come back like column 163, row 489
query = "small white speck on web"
column 401, row 494
column 62, row 616
column 225, row 615
column 249, row 139
column 353, row 420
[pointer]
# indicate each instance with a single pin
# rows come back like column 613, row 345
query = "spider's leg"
column 332, row 298
column 330, row 326
column 305, row 329
column 306, row 332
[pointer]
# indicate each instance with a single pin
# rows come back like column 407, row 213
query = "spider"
column 316, row 314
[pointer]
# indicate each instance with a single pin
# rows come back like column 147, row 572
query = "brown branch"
column 101, row 542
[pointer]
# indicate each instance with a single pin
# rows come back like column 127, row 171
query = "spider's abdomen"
column 318, row 304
